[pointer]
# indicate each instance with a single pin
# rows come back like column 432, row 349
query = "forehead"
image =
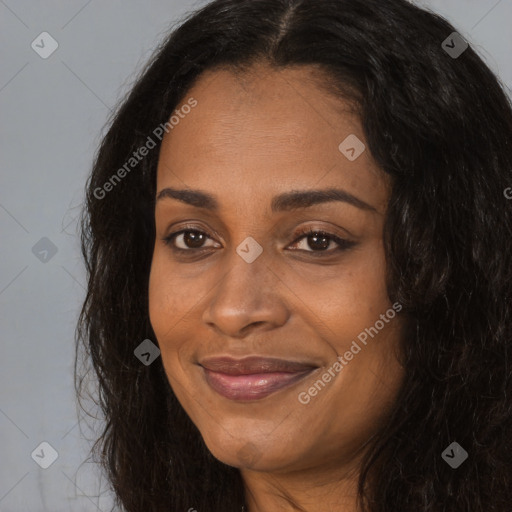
column 266, row 128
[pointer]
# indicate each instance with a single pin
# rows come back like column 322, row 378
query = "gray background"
column 52, row 114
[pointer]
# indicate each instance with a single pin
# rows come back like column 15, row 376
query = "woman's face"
column 243, row 280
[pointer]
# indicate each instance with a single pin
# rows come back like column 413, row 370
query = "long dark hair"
column 440, row 125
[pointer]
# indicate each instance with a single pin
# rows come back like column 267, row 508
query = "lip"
column 252, row 378
column 253, row 364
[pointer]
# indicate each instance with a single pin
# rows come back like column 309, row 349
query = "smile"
column 251, row 387
column 252, row 378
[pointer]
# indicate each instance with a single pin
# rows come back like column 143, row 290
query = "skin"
column 250, row 138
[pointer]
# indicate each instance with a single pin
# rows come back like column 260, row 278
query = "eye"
column 188, row 238
column 320, row 241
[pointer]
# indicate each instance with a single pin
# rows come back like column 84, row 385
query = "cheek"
column 366, row 292
column 173, row 300
column 165, row 304
column 351, row 296
column 165, row 310
column 175, row 288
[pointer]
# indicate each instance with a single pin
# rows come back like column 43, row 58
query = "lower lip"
column 251, row 387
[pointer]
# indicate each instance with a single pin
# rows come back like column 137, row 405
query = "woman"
column 298, row 248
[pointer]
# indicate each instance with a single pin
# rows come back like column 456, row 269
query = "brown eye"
column 193, row 239
column 316, row 241
column 186, row 239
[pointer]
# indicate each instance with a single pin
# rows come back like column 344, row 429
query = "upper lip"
column 254, row 364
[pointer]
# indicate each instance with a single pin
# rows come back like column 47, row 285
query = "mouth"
column 252, row 378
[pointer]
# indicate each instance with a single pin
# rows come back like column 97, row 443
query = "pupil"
column 315, row 238
column 193, row 239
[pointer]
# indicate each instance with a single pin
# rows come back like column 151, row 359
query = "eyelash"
column 343, row 244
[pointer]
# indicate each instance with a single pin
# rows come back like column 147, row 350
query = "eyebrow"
column 284, row 202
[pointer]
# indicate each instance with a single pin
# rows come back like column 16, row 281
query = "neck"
column 308, row 490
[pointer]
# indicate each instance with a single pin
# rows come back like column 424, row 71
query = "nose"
column 248, row 297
